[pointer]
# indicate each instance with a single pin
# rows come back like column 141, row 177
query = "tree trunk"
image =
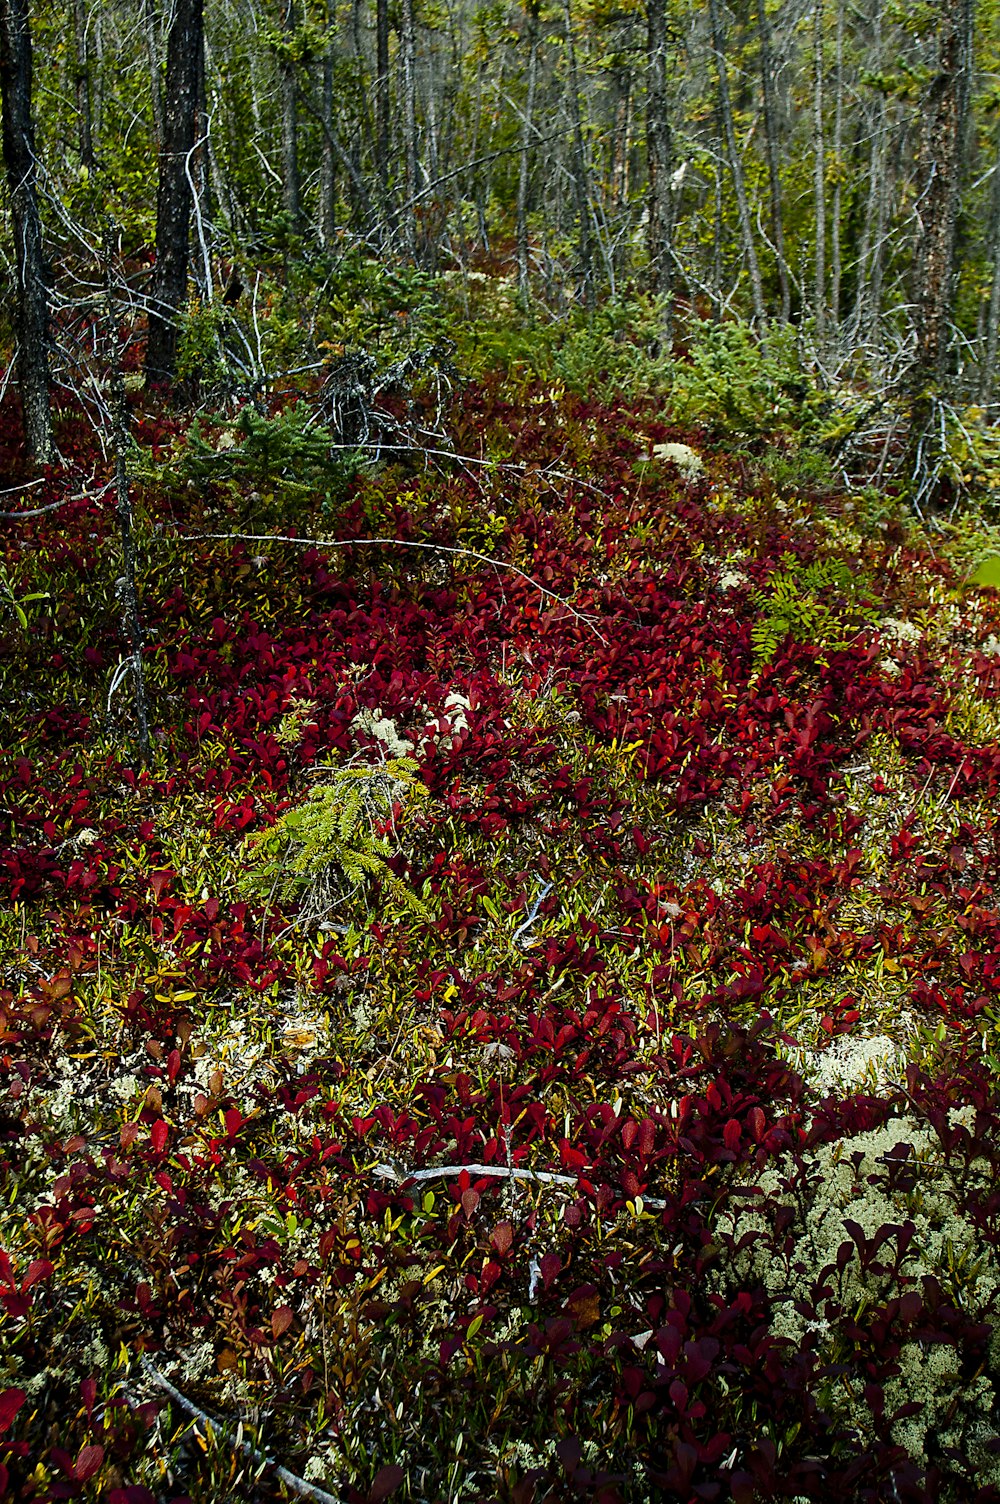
column 84, row 108
column 988, row 358
column 328, row 168
column 408, row 61
column 819, row 173
column 836, row 258
column 524, row 166
column 291, row 196
column 735, row 163
column 32, row 315
column 939, row 180
column 382, row 95
column 659, row 154
column 151, row 35
column 771, row 152
column 185, row 47
column 580, row 183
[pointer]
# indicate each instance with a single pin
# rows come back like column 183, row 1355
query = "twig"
column 53, row 505
column 435, row 548
column 494, row 1172
column 522, row 929
column 297, row 1485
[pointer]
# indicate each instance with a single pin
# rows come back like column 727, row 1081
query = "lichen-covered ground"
column 640, row 1142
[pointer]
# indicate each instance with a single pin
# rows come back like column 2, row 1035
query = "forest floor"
column 630, row 1130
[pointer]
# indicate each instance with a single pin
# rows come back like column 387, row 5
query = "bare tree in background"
column 32, row 315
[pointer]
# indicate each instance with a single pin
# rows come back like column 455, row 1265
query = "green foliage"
column 290, row 448
column 791, row 606
column 16, row 603
column 731, row 383
column 793, row 469
column 327, row 849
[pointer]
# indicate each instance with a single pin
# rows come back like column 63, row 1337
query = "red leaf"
column 731, row 1134
column 281, row 1319
column 88, row 1393
column 234, row 1121
column 88, row 1463
column 387, row 1480
column 503, row 1237
column 159, row 881
column 11, row 1401
column 758, row 1123
column 158, row 1135
column 37, row 1269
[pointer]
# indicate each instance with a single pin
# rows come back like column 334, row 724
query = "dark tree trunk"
column 32, row 317
column 185, row 70
column 945, row 116
column 659, row 153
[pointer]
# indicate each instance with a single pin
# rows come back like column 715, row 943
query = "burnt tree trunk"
column 181, row 103
column 942, row 148
column 32, row 314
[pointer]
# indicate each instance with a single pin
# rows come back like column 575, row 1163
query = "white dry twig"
column 297, row 1485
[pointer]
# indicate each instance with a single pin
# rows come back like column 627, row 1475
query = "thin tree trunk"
column 836, row 258
column 84, row 108
column 735, row 164
column 151, row 34
column 408, row 61
column 819, row 173
column 291, row 196
column 328, row 169
column 32, row 315
column 185, row 48
column 382, row 95
column 868, row 291
column 945, row 116
column 988, row 359
column 524, row 165
column 580, row 182
column 659, row 161
column 773, row 161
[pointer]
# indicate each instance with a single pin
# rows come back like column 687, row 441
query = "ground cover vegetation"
column 500, row 666
column 529, row 1027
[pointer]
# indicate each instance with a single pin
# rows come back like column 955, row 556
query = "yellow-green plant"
column 330, row 847
column 791, row 605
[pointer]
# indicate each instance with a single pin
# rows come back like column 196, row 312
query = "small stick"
column 495, row 1172
column 434, row 548
column 297, row 1485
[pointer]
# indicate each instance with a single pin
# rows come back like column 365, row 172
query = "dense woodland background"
column 830, row 165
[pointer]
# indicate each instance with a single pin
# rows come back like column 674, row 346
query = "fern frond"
column 337, row 841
